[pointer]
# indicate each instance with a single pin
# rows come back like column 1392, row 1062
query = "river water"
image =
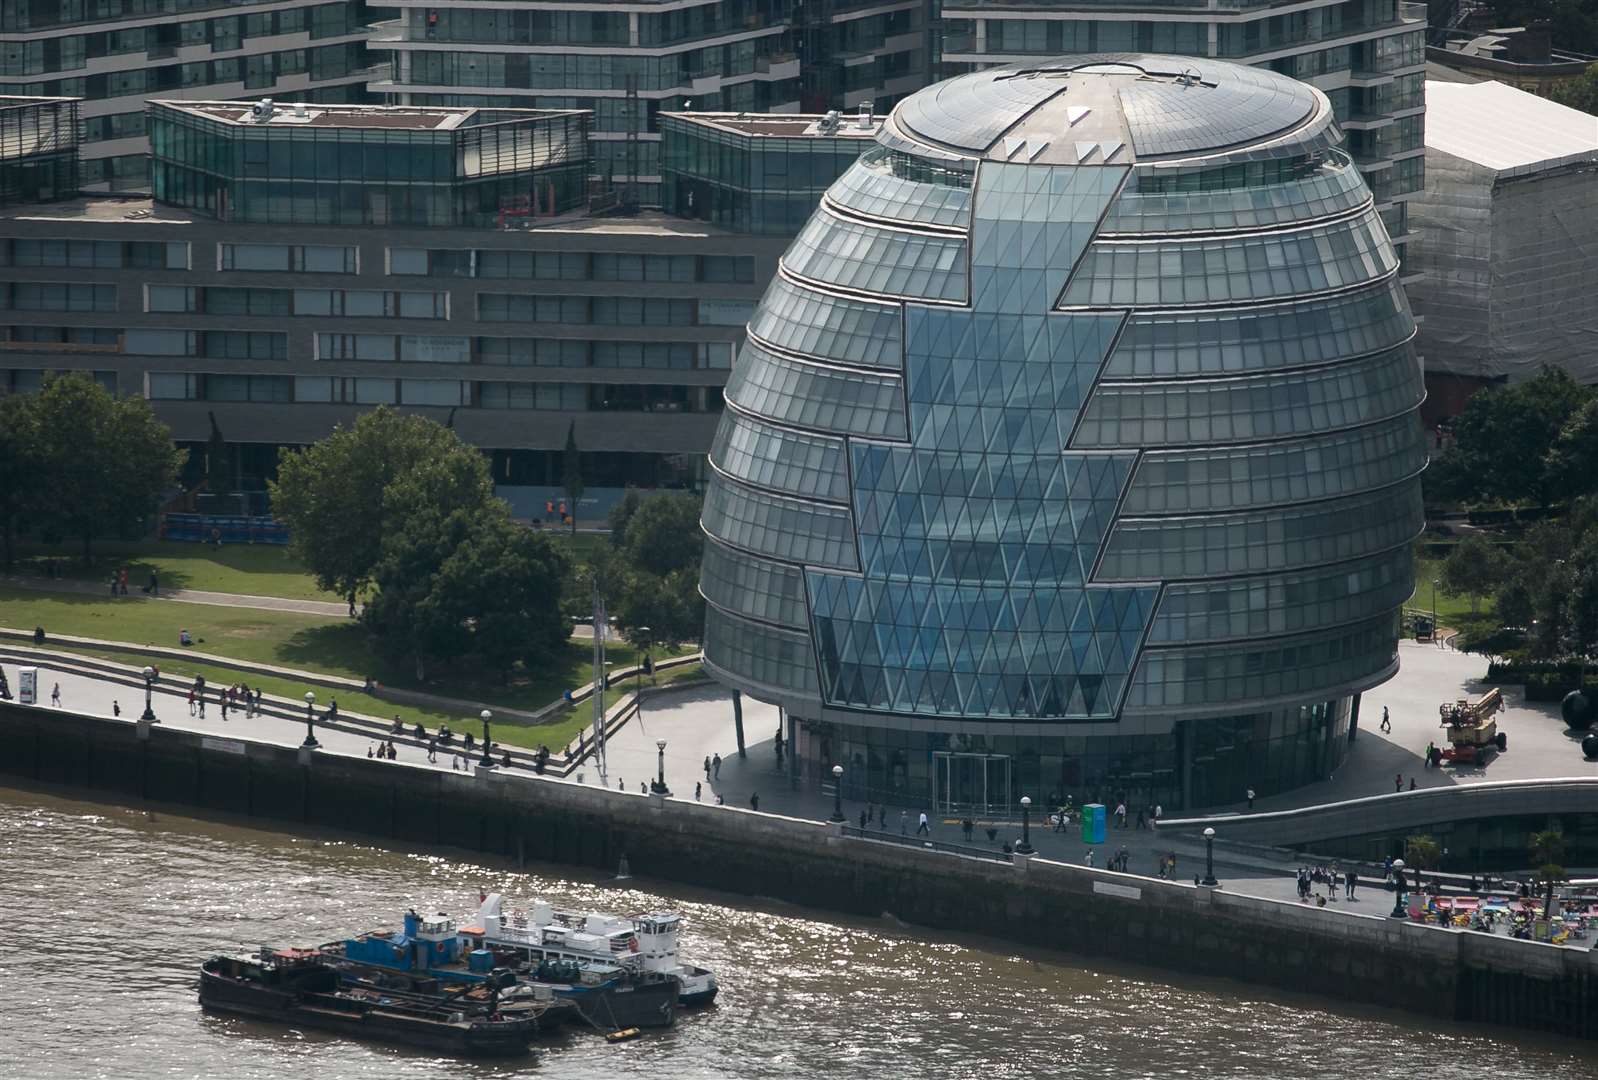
column 105, row 914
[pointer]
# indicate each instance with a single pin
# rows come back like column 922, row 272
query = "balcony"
column 1363, row 121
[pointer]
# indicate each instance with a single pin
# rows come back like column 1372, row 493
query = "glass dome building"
column 1074, row 449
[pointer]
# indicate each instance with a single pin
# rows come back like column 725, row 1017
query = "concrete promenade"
column 697, row 723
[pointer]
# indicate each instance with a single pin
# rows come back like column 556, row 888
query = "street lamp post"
column 1209, row 858
column 1025, row 846
column 310, row 742
column 660, row 765
column 1398, row 890
column 837, row 817
column 149, row 681
column 488, row 760
column 1434, row 610
column 640, row 633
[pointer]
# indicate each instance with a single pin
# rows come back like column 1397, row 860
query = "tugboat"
column 432, row 954
column 300, row 986
column 646, row 943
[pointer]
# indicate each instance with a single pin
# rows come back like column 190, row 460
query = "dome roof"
column 1129, row 106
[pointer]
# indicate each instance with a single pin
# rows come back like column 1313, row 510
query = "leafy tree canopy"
column 1505, row 441
column 1475, row 568
column 101, row 463
column 333, row 495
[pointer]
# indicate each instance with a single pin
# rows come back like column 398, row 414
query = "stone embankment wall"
column 1366, row 959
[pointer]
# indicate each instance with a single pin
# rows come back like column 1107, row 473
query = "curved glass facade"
column 1053, row 467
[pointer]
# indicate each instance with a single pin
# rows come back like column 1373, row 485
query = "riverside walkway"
column 697, row 723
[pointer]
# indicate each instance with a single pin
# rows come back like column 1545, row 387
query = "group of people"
column 382, row 749
column 119, row 584
column 238, row 696
column 1331, row 877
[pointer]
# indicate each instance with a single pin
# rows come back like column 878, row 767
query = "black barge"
column 300, row 987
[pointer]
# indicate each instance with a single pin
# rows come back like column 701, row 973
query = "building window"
column 62, row 296
column 299, row 258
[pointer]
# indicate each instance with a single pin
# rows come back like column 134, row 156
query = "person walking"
column 1412, row 783
column 191, row 701
column 1120, row 815
column 707, row 768
column 698, row 790
column 1398, row 783
column 967, row 828
column 122, row 581
column 113, row 584
column 715, row 766
column 1348, row 884
column 55, row 695
column 754, row 800
column 1251, row 798
column 155, row 584
column 1087, row 860
column 1387, row 722
column 882, row 817
column 904, row 823
column 922, row 827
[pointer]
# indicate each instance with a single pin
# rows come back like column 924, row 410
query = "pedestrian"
column 904, row 823
column 865, row 819
column 1120, row 815
column 882, row 817
column 222, row 700
column 715, row 766
column 1171, row 857
column 754, row 800
column 113, row 584
column 1387, row 723
column 621, row 785
column 922, row 827
column 707, row 766
column 1158, row 812
column 199, row 697
column 1398, row 782
column 698, row 790
column 1251, row 798
column 122, row 581
column 1412, row 783
column 720, row 801
column 191, row 701
column 370, row 752
column 116, row 707
column 55, row 695
column 1087, row 860
column 393, row 754
column 432, row 751
column 1348, row 884
column 967, row 827
column 155, row 584
column 1431, row 748
column 643, row 788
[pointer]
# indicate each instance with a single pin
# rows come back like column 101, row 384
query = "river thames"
column 105, row 914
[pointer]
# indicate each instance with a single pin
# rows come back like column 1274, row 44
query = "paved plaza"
column 697, row 723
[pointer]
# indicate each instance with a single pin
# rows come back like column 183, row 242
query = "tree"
column 572, row 472
column 333, row 495
column 1580, row 92
column 504, row 583
column 1572, row 463
column 1503, row 439
column 1422, row 852
column 1475, row 568
column 621, row 515
column 663, row 534
column 103, row 462
column 20, row 474
column 1548, row 851
column 669, row 605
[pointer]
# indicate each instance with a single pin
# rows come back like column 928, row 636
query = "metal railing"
column 883, row 837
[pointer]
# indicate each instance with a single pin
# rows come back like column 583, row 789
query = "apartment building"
column 116, row 54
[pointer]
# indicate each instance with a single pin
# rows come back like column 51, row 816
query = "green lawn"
column 1452, row 611
column 252, row 569
column 312, row 643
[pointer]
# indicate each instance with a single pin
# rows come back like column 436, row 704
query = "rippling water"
column 106, row 913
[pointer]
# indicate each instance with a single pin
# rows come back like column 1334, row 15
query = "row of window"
column 259, row 71
column 294, row 258
column 817, row 324
column 763, row 654
column 1166, row 549
column 784, row 528
column 227, row 32
column 587, row 310
column 817, row 397
column 405, row 348
column 352, row 303
column 853, row 255
column 569, row 265
column 95, row 254
column 338, row 389
column 739, row 582
column 779, row 459
column 57, row 296
column 1310, row 664
column 1283, row 603
column 1252, row 407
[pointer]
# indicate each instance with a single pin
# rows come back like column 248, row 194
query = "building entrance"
column 977, row 784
